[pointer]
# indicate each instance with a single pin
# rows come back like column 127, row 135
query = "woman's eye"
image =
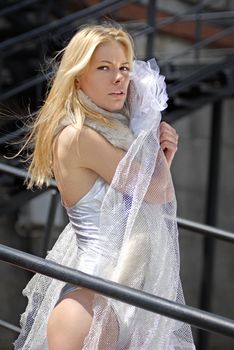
column 103, row 67
column 125, row 69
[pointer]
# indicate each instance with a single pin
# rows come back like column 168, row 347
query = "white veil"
column 138, row 218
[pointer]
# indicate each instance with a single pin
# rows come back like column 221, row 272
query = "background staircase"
column 32, row 31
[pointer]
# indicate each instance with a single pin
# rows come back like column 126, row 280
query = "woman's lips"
column 117, row 93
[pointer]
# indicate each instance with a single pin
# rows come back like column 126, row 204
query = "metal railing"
column 96, row 10
column 206, row 230
column 16, row 7
column 195, row 317
column 151, row 28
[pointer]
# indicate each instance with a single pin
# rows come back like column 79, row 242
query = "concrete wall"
column 190, row 179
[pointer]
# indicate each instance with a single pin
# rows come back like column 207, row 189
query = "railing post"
column 211, row 216
column 50, row 221
column 151, row 21
column 198, row 28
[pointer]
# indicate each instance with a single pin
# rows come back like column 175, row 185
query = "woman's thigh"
column 70, row 321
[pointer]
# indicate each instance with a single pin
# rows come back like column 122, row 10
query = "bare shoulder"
column 66, row 139
column 74, row 142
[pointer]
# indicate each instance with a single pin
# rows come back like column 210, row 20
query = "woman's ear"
column 77, row 83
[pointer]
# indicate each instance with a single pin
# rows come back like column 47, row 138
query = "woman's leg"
column 70, row 321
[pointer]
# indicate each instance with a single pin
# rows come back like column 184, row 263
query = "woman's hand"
column 168, row 141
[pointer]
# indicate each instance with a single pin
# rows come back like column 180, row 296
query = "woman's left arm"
column 168, row 141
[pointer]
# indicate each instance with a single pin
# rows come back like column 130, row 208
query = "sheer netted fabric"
column 140, row 246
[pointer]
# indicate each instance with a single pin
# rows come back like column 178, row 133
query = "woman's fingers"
column 168, row 141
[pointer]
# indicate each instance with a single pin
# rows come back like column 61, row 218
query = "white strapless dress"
column 80, row 246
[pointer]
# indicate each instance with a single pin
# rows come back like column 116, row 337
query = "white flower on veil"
column 147, row 95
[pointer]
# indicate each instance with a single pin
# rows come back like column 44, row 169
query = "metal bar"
column 176, row 114
column 13, row 170
column 211, row 216
column 9, row 326
column 15, row 7
column 148, row 31
column 12, row 135
column 202, row 73
column 20, row 173
column 179, row 17
column 188, row 314
column 198, row 28
column 29, row 83
column 151, row 21
column 172, row 90
column 170, row 20
column 97, row 9
column 207, row 231
column 10, row 206
column 202, row 43
column 50, row 221
column 204, row 16
column 183, row 223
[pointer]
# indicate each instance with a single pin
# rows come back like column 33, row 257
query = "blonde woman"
column 99, row 135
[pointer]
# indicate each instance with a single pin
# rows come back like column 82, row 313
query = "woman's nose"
column 118, row 77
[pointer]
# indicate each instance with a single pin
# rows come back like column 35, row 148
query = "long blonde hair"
column 62, row 98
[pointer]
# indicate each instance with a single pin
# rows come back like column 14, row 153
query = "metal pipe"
column 20, row 173
column 183, row 223
column 179, row 17
column 203, row 16
column 184, row 313
column 29, row 83
column 15, row 7
column 151, row 21
column 211, row 216
column 198, row 29
column 97, row 9
column 12, row 135
column 202, row 43
column 9, row 326
column 203, row 73
column 206, row 230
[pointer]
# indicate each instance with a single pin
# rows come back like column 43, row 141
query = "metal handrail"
column 8, row 169
column 186, row 16
column 202, row 73
column 183, row 223
column 12, row 135
column 203, row 16
column 97, row 9
column 203, row 43
column 178, row 17
column 206, row 230
column 29, row 83
column 9, row 326
column 15, row 7
column 148, row 30
column 172, row 90
column 197, row 318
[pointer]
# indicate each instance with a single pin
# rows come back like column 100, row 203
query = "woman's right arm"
column 99, row 155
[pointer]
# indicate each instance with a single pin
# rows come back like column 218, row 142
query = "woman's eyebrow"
column 106, row 61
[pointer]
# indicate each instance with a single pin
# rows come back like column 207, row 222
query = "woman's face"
column 106, row 79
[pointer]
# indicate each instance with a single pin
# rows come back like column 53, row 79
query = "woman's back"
column 79, row 157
